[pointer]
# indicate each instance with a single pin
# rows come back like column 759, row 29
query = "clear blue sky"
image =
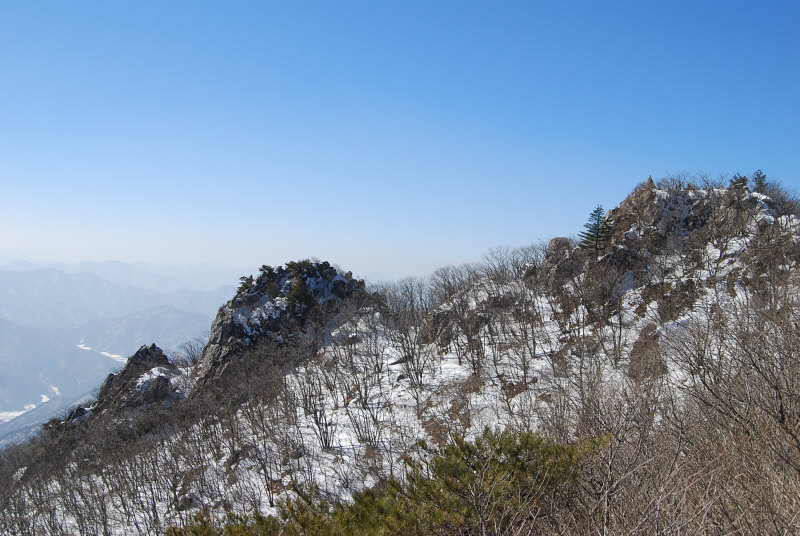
column 391, row 137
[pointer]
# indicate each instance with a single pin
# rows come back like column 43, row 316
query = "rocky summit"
column 276, row 304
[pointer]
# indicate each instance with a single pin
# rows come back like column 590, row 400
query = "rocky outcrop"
column 277, row 302
column 652, row 229
column 562, row 260
column 144, row 380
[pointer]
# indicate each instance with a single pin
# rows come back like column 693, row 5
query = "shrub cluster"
column 501, row 483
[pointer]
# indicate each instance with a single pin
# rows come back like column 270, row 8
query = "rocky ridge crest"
column 275, row 303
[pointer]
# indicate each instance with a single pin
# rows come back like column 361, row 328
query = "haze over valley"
column 65, row 327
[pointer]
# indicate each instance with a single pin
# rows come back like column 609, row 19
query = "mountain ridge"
column 636, row 352
column 89, row 297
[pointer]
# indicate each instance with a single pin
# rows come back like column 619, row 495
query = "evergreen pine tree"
column 739, row 182
column 597, row 233
column 759, row 181
column 299, row 299
column 245, row 284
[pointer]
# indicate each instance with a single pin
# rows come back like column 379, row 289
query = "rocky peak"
column 677, row 213
column 562, row 259
column 661, row 221
column 145, row 379
column 275, row 300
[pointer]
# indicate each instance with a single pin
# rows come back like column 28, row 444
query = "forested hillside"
column 645, row 379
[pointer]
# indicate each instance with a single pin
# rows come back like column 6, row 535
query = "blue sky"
column 390, row 137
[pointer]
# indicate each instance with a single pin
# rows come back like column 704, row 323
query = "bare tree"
column 408, row 316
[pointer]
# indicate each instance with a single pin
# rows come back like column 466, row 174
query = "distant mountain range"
column 50, row 298
column 63, row 330
column 161, row 278
column 43, row 374
column 123, row 336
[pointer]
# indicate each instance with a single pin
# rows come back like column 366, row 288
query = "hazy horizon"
column 177, row 270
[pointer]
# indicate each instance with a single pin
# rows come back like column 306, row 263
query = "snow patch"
column 6, row 416
column 116, row 357
column 251, row 318
column 152, row 374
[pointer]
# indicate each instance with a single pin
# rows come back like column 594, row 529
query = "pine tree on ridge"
column 597, row 233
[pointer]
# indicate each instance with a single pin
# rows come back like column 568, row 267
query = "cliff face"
column 274, row 304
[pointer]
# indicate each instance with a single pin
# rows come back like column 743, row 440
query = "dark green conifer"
column 598, row 232
column 759, row 181
column 739, row 182
column 299, row 299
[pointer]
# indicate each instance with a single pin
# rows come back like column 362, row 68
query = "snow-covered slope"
column 311, row 383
